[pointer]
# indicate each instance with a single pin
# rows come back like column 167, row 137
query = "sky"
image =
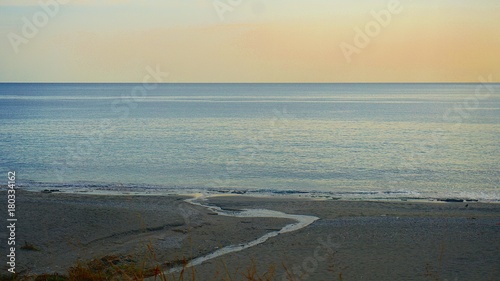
column 250, row 40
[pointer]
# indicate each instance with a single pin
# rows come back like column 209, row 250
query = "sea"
column 340, row 141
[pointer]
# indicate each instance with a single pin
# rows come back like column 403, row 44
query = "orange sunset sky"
column 250, row 40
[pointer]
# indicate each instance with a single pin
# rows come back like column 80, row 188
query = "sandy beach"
column 351, row 240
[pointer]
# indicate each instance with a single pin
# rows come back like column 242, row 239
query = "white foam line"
column 302, row 221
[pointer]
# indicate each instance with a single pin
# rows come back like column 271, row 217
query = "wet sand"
column 71, row 227
column 353, row 239
column 377, row 241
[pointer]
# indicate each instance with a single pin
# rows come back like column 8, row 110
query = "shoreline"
column 257, row 193
column 124, row 225
column 359, row 194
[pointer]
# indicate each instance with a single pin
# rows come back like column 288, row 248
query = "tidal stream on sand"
column 301, row 222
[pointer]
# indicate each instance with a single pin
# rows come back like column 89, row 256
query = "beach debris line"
column 451, row 200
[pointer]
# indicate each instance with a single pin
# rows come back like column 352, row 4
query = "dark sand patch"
column 375, row 241
column 360, row 240
column 71, row 227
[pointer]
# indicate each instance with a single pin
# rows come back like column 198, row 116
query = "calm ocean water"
column 341, row 140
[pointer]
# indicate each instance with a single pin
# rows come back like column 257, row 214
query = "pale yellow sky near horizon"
column 250, row 40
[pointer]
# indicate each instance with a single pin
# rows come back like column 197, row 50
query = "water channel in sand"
column 301, row 222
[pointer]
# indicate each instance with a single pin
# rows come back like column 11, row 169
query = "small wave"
column 149, row 189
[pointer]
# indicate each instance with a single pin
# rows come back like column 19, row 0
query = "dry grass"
column 111, row 268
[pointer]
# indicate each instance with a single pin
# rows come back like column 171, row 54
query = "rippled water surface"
column 348, row 140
